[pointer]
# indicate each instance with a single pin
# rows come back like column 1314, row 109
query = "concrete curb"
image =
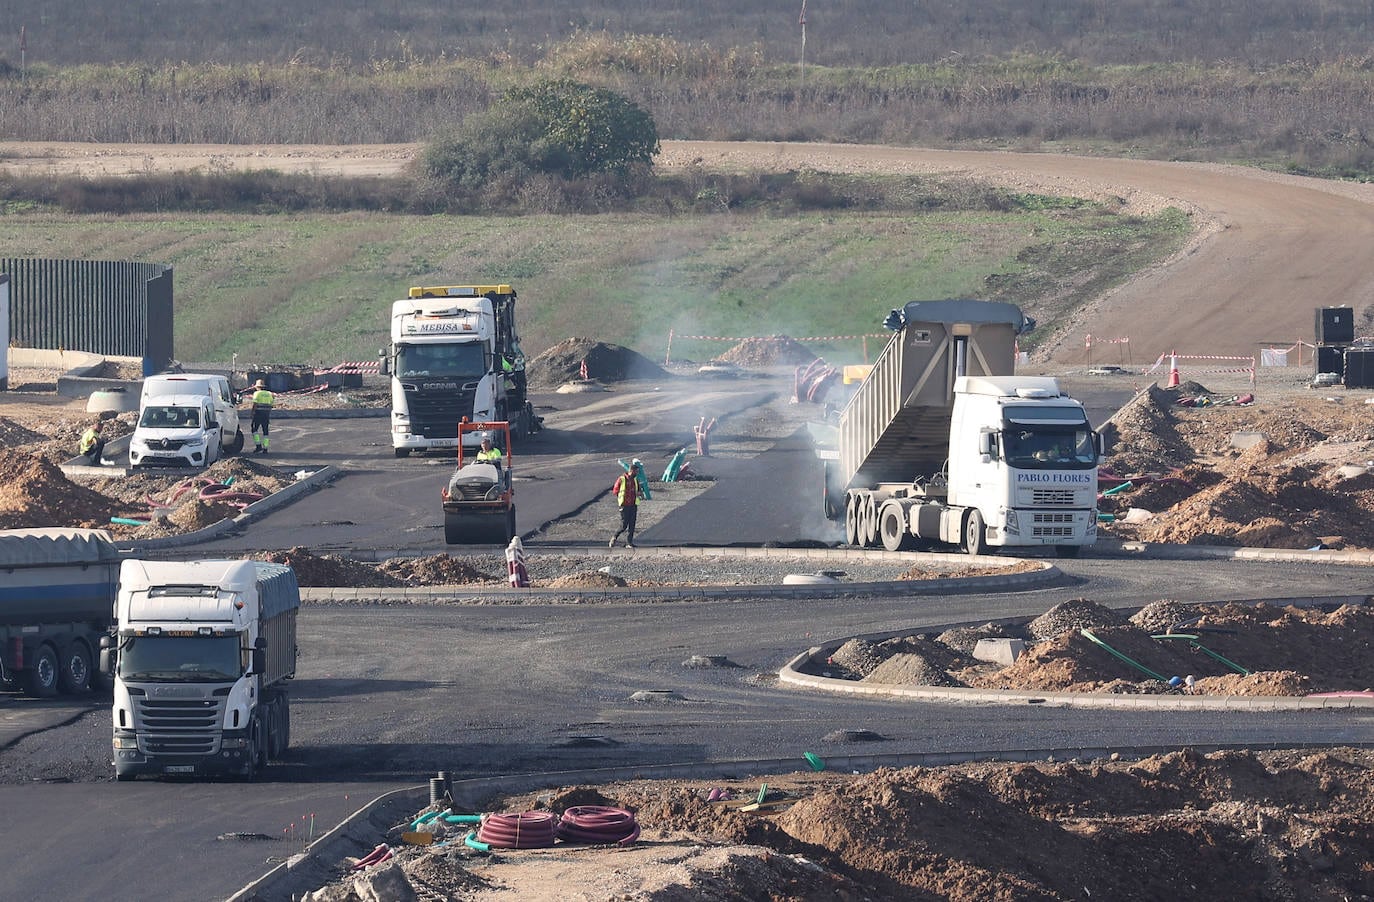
column 1222, row 552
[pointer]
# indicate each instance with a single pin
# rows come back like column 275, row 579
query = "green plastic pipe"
column 1087, row 634
column 471, row 842
column 1193, row 641
column 128, row 521
column 1121, row 488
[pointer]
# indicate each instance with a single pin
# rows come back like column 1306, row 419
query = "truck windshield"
column 466, row 361
column 1047, row 448
column 181, row 658
column 160, row 417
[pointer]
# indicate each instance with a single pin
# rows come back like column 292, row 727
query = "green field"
column 317, row 288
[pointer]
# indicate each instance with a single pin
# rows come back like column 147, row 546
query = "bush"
column 556, row 127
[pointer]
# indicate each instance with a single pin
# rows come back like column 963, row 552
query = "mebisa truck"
column 941, row 443
column 455, row 354
column 201, row 661
column 57, row 591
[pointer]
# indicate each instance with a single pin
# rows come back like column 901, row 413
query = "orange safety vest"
column 626, row 490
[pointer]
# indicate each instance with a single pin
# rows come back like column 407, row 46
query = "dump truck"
column 479, row 498
column 943, row 443
column 455, row 354
column 201, row 660
column 57, row 592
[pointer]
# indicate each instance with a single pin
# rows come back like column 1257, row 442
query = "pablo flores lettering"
column 1053, row 478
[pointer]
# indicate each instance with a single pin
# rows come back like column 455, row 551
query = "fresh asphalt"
column 389, row 694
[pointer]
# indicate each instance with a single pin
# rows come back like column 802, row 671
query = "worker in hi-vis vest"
column 262, row 416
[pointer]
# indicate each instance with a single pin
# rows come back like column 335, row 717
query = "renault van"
column 216, row 388
column 175, row 431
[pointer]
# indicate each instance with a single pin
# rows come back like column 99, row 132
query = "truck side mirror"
column 987, row 445
column 383, row 362
column 106, row 662
column 259, row 660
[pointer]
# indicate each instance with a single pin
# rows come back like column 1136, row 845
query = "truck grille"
column 1052, row 497
column 1052, row 526
column 179, row 726
column 435, row 414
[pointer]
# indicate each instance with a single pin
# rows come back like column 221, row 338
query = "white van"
column 216, row 388
column 175, row 431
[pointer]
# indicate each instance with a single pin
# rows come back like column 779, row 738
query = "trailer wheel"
column 892, row 527
column 851, row 520
column 74, row 677
column 869, row 533
column 40, row 680
column 975, row 537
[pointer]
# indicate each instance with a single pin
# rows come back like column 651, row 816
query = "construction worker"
column 487, row 452
column 262, row 400
column 627, row 492
column 93, row 443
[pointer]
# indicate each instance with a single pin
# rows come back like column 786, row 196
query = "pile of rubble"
column 1236, row 825
column 604, row 363
column 1292, row 471
column 1166, row 647
column 769, row 350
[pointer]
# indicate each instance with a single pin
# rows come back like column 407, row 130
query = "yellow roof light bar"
column 460, row 291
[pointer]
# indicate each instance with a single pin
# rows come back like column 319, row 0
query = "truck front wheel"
column 402, row 452
column 892, row 527
column 975, row 537
column 40, row 680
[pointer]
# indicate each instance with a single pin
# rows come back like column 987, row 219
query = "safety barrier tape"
column 349, row 368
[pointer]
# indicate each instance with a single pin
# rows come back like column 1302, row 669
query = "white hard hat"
column 636, row 462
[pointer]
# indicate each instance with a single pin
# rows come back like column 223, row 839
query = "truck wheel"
column 975, row 537
column 74, row 677
column 402, row 452
column 869, row 533
column 40, row 680
column 892, row 527
column 122, row 777
column 1067, row 550
column 851, row 520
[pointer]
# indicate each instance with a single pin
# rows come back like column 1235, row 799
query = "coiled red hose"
column 218, row 491
column 526, row 830
column 598, row 824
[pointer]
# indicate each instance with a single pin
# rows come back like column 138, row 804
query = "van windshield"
column 157, row 416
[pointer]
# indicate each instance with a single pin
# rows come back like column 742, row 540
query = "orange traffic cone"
column 1173, row 372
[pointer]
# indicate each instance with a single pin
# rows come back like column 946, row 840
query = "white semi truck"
column 201, row 660
column 455, row 354
column 941, row 443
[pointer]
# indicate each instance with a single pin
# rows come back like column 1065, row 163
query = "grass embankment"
column 317, row 288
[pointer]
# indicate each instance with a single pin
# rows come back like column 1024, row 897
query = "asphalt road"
column 389, row 694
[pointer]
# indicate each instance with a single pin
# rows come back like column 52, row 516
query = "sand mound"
column 605, row 363
column 771, row 350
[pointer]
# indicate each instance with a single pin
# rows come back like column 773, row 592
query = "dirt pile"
column 605, row 363
column 1292, row 471
column 770, row 350
column 35, row 493
column 1081, row 646
column 1236, row 825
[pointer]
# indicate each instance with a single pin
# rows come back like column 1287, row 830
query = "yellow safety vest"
column 88, row 439
column 263, row 398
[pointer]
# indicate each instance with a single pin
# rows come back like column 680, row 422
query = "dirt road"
column 1268, row 249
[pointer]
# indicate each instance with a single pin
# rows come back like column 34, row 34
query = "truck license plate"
column 179, row 769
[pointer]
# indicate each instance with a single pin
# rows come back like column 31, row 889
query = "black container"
column 1359, row 368
column 1331, row 359
column 1335, row 326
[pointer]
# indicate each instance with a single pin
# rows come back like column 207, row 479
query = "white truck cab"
column 216, row 388
column 175, row 431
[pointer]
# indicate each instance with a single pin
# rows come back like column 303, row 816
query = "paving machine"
column 479, row 500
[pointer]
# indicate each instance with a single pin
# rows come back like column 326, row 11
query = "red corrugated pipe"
column 525, row 830
column 598, row 824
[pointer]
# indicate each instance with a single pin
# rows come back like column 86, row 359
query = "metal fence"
column 115, row 307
